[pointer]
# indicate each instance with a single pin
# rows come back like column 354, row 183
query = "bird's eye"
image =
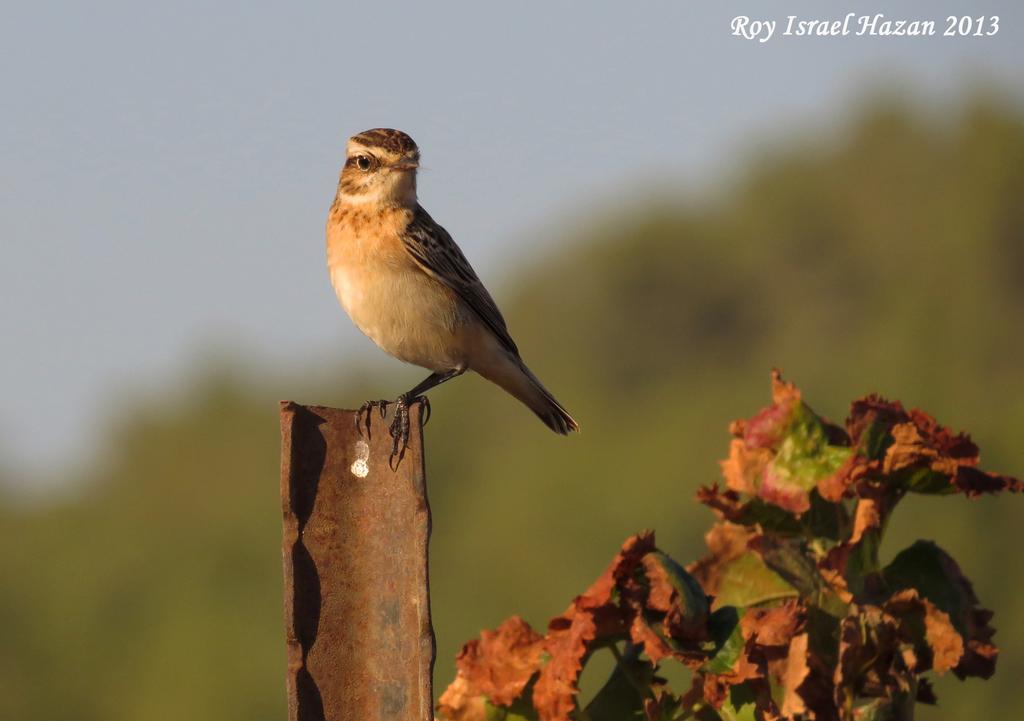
column 363, row 162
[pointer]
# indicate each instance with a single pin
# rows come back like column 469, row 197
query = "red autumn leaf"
column 767, row 428
column 785, row 451
column 776, row 489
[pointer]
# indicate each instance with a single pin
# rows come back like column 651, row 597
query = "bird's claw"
column 363, row 415
column 400, row 425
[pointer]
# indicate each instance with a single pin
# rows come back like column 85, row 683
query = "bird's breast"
column 409, row 314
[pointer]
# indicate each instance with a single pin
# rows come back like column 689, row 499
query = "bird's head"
column 380, row 167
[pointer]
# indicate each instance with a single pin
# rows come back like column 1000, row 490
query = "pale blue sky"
column 166, row 168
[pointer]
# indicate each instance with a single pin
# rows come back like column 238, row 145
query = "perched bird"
column 406, row 285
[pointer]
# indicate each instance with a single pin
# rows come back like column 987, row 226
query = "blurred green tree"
column 886, row 257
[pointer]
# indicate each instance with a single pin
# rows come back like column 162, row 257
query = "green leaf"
column 826, row 520
column 515, row 713
column 620, row 699
column 790, row 560
column 924, row 481
column 721, row 624
column 747, row 581
column 862, row 565
column 823, row 636
column 706, row 713
column 899, row 708
column 623, row 694
column 805, row 456
column 740, row 705
column 876, row 439
column 770, row 517
column 691, row 595
column 520, row 710
column 729, row 642
column 936, row 576
column 802, row 458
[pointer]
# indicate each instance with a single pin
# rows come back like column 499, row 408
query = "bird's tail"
column 520, row 381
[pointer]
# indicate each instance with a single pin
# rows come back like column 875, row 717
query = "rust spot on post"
column 356, row 603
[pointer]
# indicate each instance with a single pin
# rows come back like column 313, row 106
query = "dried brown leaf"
column 910, row 447
column 867, row 517
column 819, row 660
column 745, row 466
column 945, row 644
column 766, row 634
column 775, row 626
column 834, row 487
column 554, row 694
column 870, row 410
column 641, row 633
column 461, row 701
column 619, row 570
column 570, row 635
column 662, row 595
column 498, row 666
column 871, row 658
column 920, row 442
column 784, row 393
column 980, row 654
column 716, row 686
column 793, row 676
column 726, row 542
column 937, row 577
column 834, row 577
column 725, row 503
column 677, row 598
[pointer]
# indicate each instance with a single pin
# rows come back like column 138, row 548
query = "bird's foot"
column 400, row 426
column 364, row 414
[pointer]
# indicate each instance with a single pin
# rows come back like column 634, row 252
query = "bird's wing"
column 436, row 253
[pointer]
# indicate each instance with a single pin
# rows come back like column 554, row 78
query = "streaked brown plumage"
column 407, row 285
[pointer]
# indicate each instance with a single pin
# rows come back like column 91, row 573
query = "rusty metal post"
column 356, row 603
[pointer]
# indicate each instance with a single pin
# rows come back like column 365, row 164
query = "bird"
column 406, row 285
